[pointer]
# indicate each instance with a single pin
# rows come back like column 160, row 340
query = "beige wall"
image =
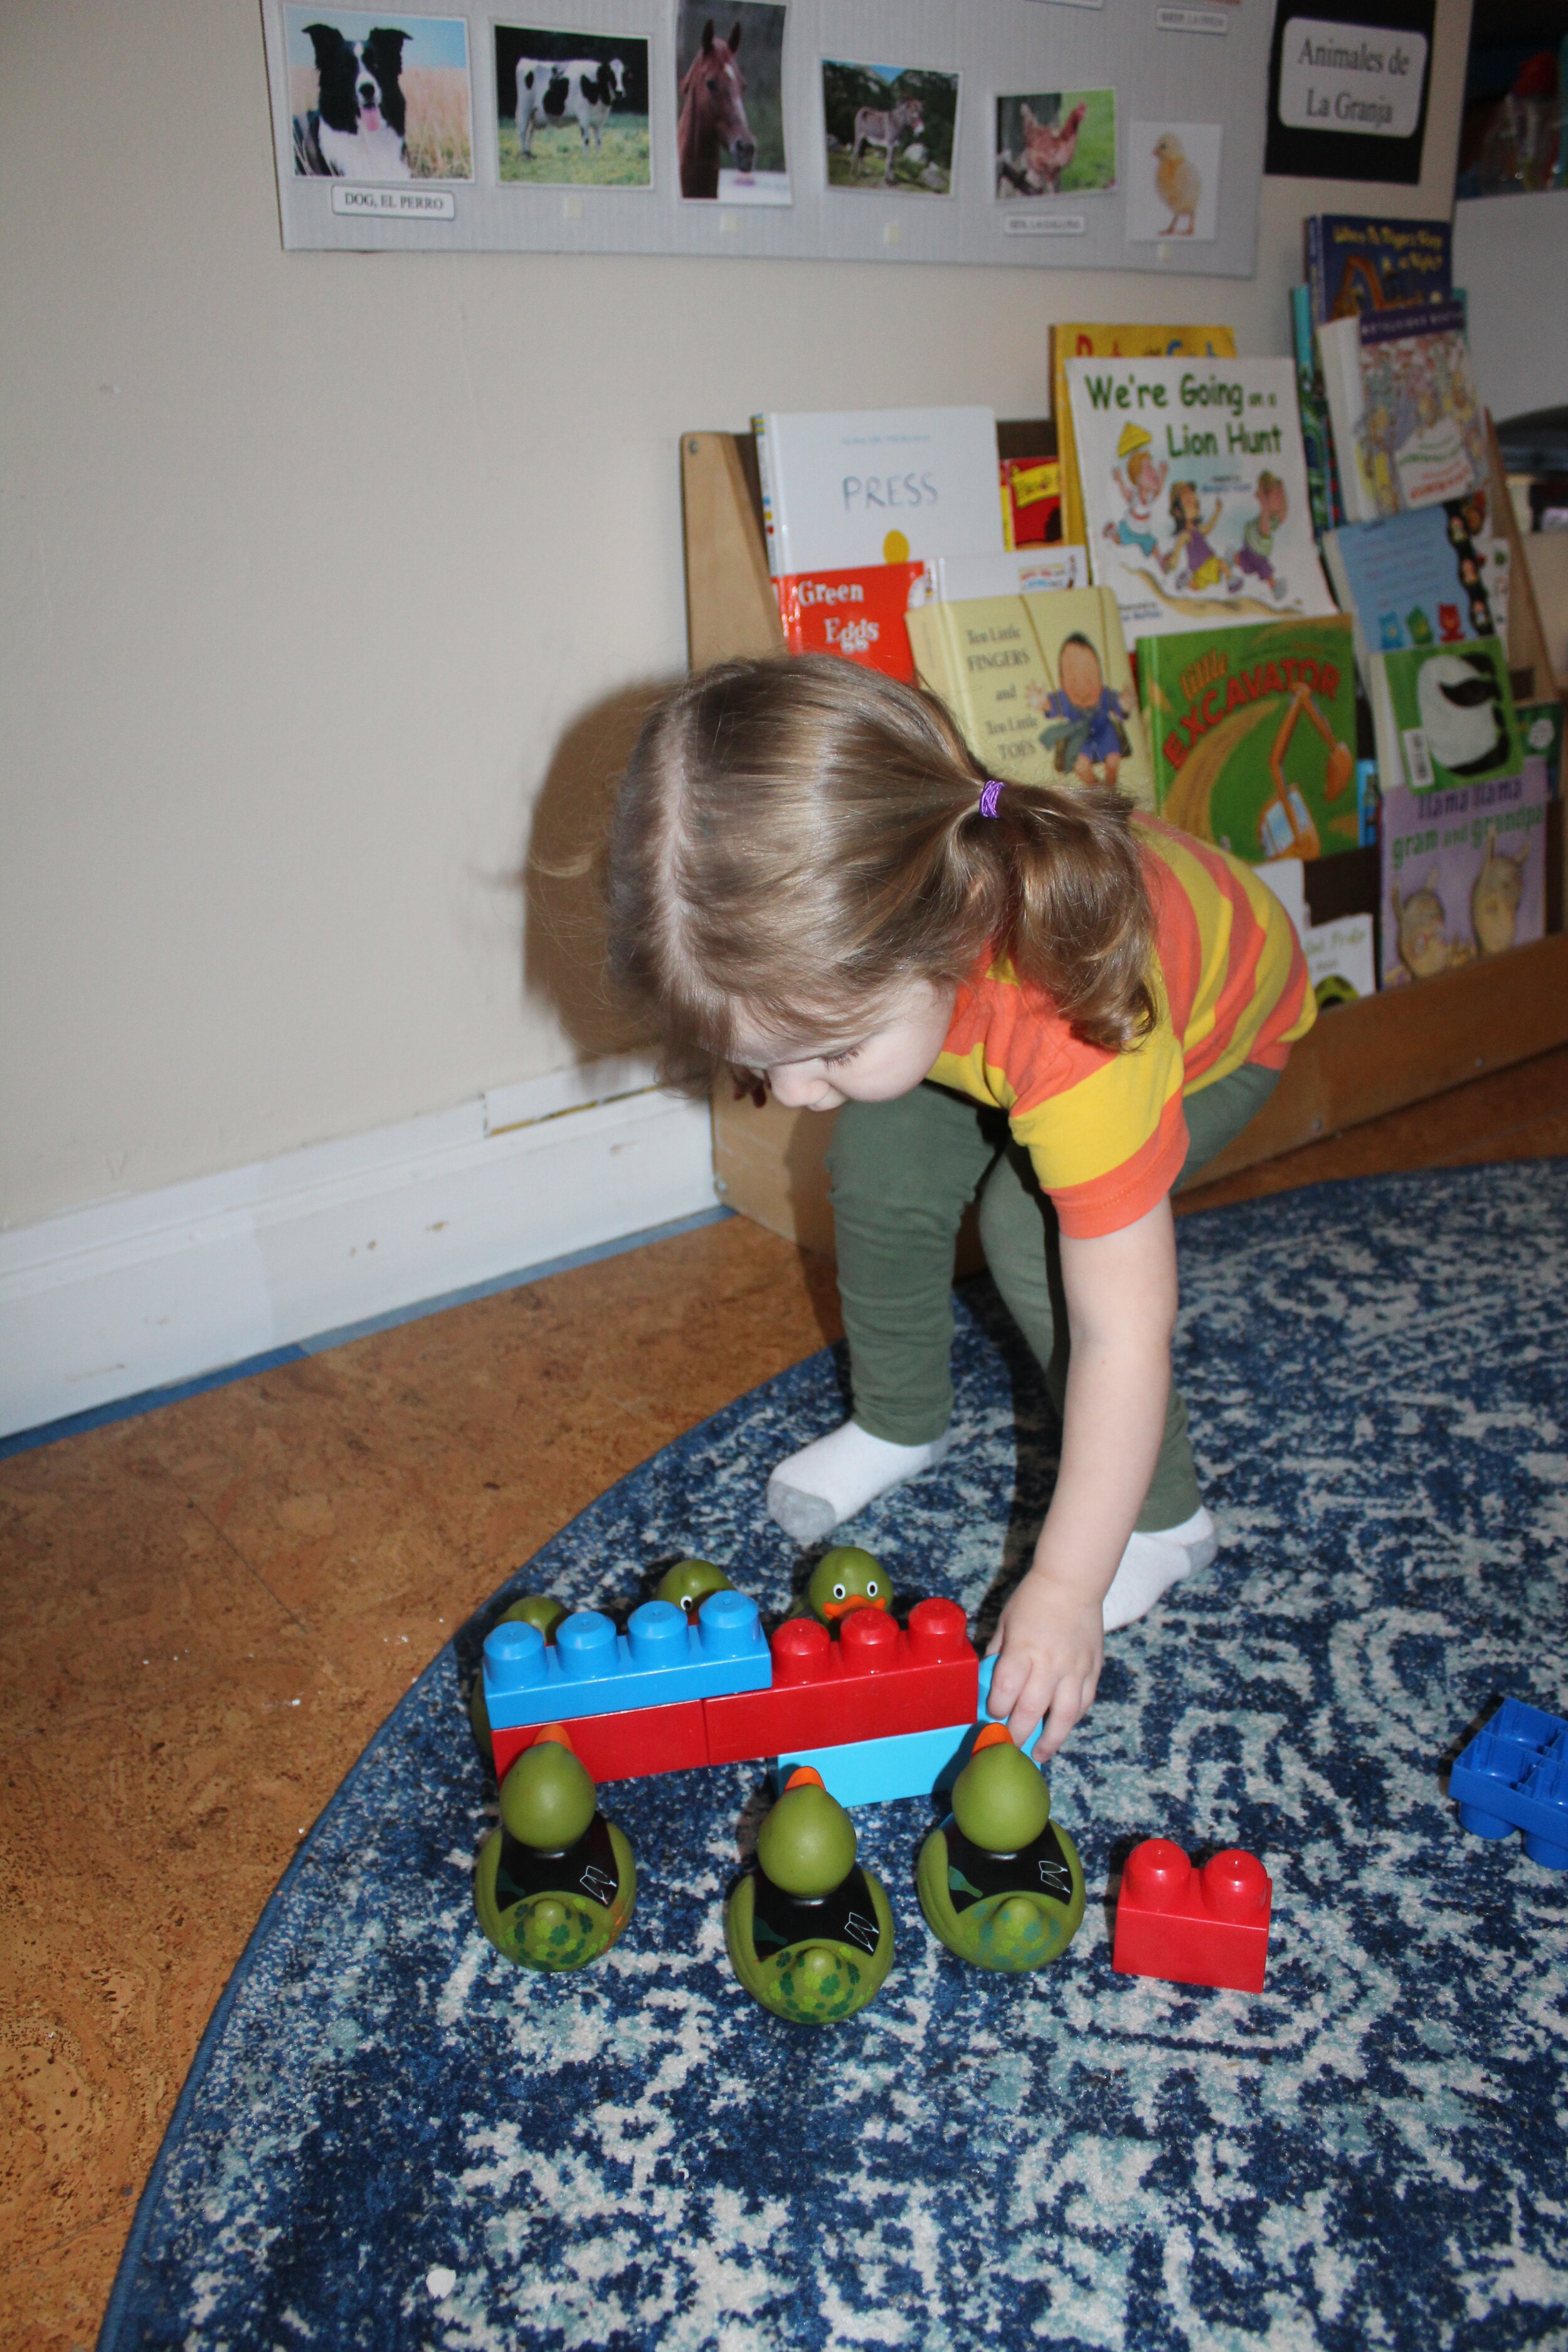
column 319, row 571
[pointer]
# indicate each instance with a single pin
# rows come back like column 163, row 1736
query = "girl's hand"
column 1052, row 1645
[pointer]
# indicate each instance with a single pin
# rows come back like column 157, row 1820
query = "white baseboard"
column 129, row 1295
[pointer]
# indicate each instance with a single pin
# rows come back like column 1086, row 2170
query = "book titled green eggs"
column 1252, row 735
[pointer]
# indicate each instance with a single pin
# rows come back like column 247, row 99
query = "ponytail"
column 798, row 840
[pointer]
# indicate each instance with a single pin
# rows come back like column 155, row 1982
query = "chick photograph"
column 1172, row 181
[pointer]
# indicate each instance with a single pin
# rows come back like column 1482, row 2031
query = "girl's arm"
column 1122, row 1309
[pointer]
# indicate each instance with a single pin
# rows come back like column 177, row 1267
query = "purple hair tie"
column 993, row 792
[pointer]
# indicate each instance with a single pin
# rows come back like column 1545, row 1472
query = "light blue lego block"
column 1514, row 1775
column 910, row 1764
column 590, row 1669
column 879, row 1771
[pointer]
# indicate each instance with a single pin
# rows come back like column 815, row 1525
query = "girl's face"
column 888, row 1057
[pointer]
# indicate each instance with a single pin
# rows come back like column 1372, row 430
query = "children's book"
column 1041, row 686
column 1418, row 579
column 1317, row 450
column 1195, row 489
column 1355, row 266
column 858, row 615
column 1406, row 423
column 1022, row 571
column 1031, row 501
column 1341, row 963
column 1444, row 717
column 1252, row 736
column 847, row 487
column 1464, row 874
column 1084, row 342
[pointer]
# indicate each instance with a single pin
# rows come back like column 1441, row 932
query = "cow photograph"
column 890, row 129
column 729, row 102
column 378, row 97
column 1055, row 142
column 572, row 109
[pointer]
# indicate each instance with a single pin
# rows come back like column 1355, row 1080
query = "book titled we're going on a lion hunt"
column 1194, row 490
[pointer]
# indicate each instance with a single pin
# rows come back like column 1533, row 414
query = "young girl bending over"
column 1018, row 989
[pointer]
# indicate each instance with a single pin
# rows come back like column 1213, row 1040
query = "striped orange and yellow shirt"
column 1105, row 1131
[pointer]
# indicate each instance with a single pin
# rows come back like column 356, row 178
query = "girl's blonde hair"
column 795, row 842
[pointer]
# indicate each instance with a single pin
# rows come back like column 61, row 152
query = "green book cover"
column 1252, row 735
column 1445, row 715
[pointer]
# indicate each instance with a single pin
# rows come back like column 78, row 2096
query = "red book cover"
column 857, row 615
column 1031, row 500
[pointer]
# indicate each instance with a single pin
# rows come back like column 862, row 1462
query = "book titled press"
column 847, row 487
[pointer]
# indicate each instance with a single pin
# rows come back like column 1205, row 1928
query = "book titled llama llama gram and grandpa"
column 1194, row 490
column 1040, row 685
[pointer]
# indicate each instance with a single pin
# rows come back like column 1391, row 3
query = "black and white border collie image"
column 583, row 90
column 355, row 130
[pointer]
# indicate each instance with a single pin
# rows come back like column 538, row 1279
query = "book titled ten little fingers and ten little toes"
column 1257, row 533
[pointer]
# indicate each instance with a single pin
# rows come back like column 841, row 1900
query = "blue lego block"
column 910, row 1764
column 658, row 1661
column 1514, row 1775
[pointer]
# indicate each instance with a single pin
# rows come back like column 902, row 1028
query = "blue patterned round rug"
column 392, row 2138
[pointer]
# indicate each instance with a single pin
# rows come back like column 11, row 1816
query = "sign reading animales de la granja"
column 1347, row 90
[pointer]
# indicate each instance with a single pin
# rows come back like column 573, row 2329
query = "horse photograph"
column 572, row 109
column 729, row 136
column 890, row 129
column 1055, row 142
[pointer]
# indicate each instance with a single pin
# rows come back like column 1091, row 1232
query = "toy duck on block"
column 998, row 1882
column 810, row 1934
column 690, row 1582
column 534, row 1609
column 555, row 1883
column 843, row 1580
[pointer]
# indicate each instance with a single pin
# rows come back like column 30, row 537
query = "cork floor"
column 205, row 1611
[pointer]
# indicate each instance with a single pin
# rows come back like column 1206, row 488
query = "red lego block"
column 1208, row 1926
column 874, row 1681
column 631, row 1746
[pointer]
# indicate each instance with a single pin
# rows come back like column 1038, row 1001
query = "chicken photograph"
column 1051, row 142
column 1178, row 183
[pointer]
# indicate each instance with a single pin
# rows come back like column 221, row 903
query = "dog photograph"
column 890, row 129
column 381, row 97
column 1172, row 173
column 728, row 99
column 572, row 109
column 1055, row 144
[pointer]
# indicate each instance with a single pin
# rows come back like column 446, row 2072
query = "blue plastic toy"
column 1514, row 1775
column 910, row 1764
column 590, row 1669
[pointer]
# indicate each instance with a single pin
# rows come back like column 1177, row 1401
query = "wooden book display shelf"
column 1359, row 1061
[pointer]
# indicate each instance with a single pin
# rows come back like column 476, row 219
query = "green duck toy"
column 534, row 1609
column 690, row 1582
column 844, row 1579
column 998, row 1882
column 555, row 1885
column 810, row 1934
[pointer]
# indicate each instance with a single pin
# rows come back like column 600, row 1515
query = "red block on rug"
column 1208, row 1926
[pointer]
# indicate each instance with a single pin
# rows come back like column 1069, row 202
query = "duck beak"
column 834, row 1609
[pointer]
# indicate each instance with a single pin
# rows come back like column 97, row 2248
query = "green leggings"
column 903, row 1173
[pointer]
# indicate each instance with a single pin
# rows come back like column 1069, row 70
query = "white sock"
column 838, row 1474
column 1152, row 1563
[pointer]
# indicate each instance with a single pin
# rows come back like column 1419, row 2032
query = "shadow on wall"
column 562, row 875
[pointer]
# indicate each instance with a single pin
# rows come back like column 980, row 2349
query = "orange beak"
column 834, row 1609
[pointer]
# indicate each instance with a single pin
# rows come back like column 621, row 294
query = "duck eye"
column 838, row 1593
column 870, row 1585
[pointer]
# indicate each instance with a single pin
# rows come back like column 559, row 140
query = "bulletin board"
column 1093, row 134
